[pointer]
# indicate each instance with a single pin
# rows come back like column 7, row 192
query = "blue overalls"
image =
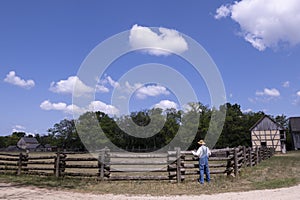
column 203, row 166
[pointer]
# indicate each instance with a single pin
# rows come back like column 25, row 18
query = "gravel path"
column 9, row 191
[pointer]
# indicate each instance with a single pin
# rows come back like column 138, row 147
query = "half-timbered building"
column 267, row 133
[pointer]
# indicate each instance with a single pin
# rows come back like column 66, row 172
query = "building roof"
column 266, row 123
column 294, row 123
column 30, row 140
column 12, row 148
column 47, row 146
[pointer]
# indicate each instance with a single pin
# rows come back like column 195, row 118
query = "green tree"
column 65, row 135
column 2, row 142
column 284, row 122
column 236, row 128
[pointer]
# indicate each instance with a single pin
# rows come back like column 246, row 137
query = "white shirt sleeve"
column 198, row 153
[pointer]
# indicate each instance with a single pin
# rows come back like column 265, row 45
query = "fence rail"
column 174, row 165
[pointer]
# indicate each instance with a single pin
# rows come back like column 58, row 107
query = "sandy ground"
column 8, row 191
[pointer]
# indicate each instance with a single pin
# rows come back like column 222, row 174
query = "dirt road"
column 9, row 191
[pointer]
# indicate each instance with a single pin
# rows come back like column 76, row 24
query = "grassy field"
column 279, row 171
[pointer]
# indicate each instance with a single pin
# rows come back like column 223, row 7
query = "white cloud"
column 67, row 86
column 298, row 93
column 222, row 11
column 247, row 110
column 18, row 128
column 12, row 78
column 166, row 42
column 286, row 84
column 74, row 109
column 268, row 92
column 100, row 106
column 128, row 88
column 102, row 89
column 113, row 83
column 166, row 104
column 102, row 84
column 272, row 92
column 265, row 23
column 47, row 105
column 151, row 90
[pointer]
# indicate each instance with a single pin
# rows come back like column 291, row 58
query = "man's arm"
column 197, row 153
column 208, row 152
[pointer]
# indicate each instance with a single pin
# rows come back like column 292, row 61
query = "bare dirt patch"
column 11, row 191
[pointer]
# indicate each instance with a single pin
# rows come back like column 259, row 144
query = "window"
column 282, row 135
column 263, row 144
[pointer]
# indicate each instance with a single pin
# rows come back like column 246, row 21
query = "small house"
column 12, row 148
column 294, row 124
column 267, row 133
column 28, row 143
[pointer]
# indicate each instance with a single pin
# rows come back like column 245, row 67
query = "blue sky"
column 254, row 44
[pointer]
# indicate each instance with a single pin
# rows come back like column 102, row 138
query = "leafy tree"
column 236, row 128
column 19, row 134
column 2, row 142
column 65, row 135
column 91, row 133
column 284, row 122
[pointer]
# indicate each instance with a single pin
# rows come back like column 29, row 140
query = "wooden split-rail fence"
column 174, row 165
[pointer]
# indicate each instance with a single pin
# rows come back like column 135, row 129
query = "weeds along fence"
column 174, row 165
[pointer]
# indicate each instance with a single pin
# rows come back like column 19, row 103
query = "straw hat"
column 201, row 142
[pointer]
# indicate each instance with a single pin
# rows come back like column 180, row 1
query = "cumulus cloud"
column 60, row 106
column 298, row 93
column 74, row 109
column 165, row 42
column 102, row 89
column 268, row 92
column 222, row 11
column 107, row 80
column 112, row 82
column 18, row 128
column 265, row 23
column 128, row 88
column 152, row 91
column 100, row 106
column 67, row 86
column 12, row 78
column 166, row 104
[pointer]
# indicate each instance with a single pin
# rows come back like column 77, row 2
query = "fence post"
column 257, row 155
column 229, row 161
column 245, row 156
column 101, row 160
column 178, row 164
column 250, row 157
column 236, row 168
column 107, row 162
column 20, row 164
column 57, row 165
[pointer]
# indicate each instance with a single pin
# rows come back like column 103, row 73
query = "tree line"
column 158, row 128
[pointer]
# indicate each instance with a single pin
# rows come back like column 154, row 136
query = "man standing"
column 203, row 153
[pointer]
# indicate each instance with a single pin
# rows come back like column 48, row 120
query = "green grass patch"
column 275, row 183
